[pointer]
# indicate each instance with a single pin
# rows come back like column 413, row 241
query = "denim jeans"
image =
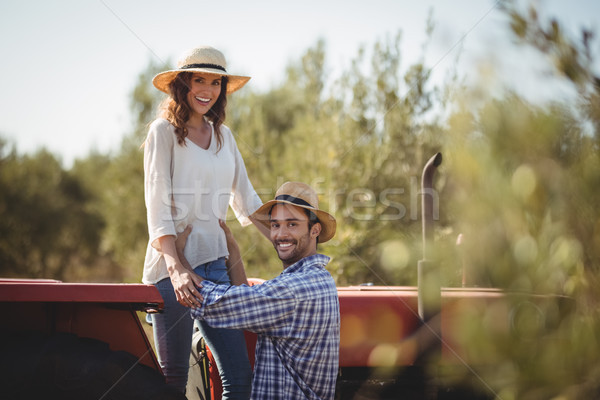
column 173, row 329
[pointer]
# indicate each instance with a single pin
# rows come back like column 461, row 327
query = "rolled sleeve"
column 209, row 297
column 266, row 308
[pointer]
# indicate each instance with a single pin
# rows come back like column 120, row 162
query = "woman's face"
column 204, row 92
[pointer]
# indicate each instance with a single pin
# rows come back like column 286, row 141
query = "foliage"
column 361, row 146
column 524, row 195
column 47, row 228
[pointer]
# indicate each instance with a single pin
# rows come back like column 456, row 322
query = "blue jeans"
column 173, row 329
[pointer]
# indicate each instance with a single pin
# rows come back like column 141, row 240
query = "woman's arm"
column 245, row 200
column 184, row 280
column 158, row 149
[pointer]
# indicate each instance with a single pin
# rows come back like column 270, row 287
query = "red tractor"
column 78, row 341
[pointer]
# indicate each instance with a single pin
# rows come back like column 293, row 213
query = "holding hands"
column 185, row 281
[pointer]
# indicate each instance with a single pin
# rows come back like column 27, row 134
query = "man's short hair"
column 312, row 219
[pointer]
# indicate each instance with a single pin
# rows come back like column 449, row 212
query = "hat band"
column 294, row 200
column 214, row 66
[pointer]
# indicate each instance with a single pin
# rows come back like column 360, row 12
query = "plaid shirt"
column 297, row 318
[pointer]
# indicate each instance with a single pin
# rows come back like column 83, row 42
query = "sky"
column 68, row 67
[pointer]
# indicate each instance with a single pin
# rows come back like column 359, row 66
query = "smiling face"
column 204, row 92
column 292, row 238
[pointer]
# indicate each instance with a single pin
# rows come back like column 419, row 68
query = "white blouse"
column 188, row 185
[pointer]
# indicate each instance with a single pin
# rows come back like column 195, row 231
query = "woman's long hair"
column 177, row 111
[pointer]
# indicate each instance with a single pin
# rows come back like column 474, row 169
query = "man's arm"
column 180, row 242
column 265, row 308
column 235, row 265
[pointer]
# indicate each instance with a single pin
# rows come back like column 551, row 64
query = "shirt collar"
column 318, row 259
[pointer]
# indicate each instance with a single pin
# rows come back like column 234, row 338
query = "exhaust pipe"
column 429, row 287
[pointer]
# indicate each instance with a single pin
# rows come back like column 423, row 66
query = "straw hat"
column 300, row 195
column 204, row 59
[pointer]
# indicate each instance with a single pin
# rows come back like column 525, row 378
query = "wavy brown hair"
column 176, row 109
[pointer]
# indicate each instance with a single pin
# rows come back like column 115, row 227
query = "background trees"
column 47, row 224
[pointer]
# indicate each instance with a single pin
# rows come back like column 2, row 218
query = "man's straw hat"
column 300, row 195
column 204, row 59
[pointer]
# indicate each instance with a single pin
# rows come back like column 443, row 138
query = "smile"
column 202, row 99
column 284, row 245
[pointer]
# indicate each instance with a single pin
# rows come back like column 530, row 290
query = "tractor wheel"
column 65, row 366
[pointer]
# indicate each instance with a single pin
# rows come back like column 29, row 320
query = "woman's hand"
column 185, row 282
column 186, row 285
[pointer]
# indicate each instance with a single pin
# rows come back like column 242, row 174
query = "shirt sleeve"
column 265, row 308
column 157, row 181
column 244, row 200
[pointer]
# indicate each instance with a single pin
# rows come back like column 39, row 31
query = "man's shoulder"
column 308, row 271
column 315, row 264
column 312, row 260
column 318, row 258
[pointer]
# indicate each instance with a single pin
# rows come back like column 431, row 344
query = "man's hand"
column 235, row 265
column 182, row 239
column 228, row 233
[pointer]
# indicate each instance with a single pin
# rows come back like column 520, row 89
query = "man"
column 295, row 315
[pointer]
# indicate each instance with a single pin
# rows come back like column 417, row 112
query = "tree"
column 361, row 145
column 524, row 191
column 46, row 227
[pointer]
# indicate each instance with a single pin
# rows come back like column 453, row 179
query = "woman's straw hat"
column 300, row 195
column 204, row 59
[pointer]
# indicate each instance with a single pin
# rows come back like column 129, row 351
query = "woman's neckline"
column 211, row 137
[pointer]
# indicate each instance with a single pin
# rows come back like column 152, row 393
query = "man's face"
column 290, row 235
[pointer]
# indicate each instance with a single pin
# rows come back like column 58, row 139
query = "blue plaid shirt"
column 297, row 318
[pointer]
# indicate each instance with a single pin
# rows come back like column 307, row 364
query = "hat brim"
column 327, row 221
column 234, row 82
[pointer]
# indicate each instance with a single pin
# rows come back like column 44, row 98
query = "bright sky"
column 68, row 66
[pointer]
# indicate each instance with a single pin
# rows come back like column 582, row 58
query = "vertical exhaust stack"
column 429, row 286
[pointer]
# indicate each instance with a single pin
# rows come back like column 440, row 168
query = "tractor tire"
column 198, row 385
column 65, row 366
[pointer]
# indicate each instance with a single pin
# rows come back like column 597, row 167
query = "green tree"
column 361, row 145
column 524, row 194
column 46, row 229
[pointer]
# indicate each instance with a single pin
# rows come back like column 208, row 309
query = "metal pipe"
column 427, row 202
column 429, row 290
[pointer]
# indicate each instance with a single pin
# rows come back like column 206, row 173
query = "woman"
column 193, row 171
